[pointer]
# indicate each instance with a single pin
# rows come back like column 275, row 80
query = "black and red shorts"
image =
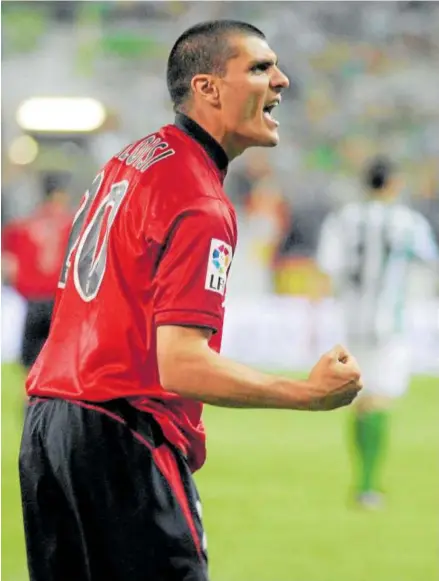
column 106, row 497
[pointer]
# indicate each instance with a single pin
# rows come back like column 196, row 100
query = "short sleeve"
column 192, row 274
column 424, row 243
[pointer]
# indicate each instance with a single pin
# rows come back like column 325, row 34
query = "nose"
column 279, row 80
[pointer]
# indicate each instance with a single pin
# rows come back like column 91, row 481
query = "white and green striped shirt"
column 367, row 249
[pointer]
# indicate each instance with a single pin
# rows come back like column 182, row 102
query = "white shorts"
column 385, row 368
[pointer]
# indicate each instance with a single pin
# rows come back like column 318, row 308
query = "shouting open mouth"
column 268, row 110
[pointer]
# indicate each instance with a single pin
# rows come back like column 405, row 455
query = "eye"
column 261, row 67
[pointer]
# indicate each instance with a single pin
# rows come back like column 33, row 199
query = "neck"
column 215, row 127
column 386, row 196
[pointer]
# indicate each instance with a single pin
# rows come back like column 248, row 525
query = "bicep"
column 171, row 338
column 177, row 345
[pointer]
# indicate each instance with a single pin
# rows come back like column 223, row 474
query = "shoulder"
column 165, row 160
column 185, row 179
column 14, row 228
column 407, row 217
column 167, row 170
column 346, row 213
column 190, row 164
column 403, row 211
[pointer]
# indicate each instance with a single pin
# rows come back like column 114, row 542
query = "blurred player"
column 114, row 428
column 367, row 248
column 33, row 253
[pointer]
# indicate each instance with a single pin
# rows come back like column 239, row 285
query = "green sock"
column 370, row 432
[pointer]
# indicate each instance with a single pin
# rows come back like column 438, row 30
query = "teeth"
column 269, row 108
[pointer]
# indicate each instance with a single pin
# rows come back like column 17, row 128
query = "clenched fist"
column 335, row 380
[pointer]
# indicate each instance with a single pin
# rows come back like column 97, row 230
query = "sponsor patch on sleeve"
column 220, row 259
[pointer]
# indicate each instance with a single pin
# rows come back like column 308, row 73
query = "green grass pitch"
column 275, row 493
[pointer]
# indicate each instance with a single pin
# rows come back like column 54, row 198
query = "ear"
column 205, row 87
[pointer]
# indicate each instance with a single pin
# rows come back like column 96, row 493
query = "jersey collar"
column 210, row 145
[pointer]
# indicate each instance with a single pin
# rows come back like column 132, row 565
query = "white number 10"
column 91, row 256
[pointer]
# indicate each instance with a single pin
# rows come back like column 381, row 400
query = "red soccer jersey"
column 37, row 245
column 151, row 244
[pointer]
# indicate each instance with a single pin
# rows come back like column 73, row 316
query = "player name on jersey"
column 145, row 153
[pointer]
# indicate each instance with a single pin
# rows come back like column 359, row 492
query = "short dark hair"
column 378, row 173
column 203, row 48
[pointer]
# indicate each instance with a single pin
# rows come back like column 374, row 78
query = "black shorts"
column 105, row 497
column 36, row 330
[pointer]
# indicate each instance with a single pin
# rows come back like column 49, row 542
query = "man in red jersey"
column 114, row 430
column 33, row 253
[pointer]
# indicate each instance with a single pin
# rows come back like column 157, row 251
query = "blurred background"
column 364, row 81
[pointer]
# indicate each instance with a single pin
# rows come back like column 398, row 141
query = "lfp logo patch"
column 220, row 259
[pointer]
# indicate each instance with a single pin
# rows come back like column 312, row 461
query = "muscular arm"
column 188, row 367
column 188, row 297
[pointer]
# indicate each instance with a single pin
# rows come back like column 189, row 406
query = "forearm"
column 208, row 377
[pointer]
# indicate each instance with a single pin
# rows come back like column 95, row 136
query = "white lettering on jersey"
column 145, row 153
column 218, row 264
